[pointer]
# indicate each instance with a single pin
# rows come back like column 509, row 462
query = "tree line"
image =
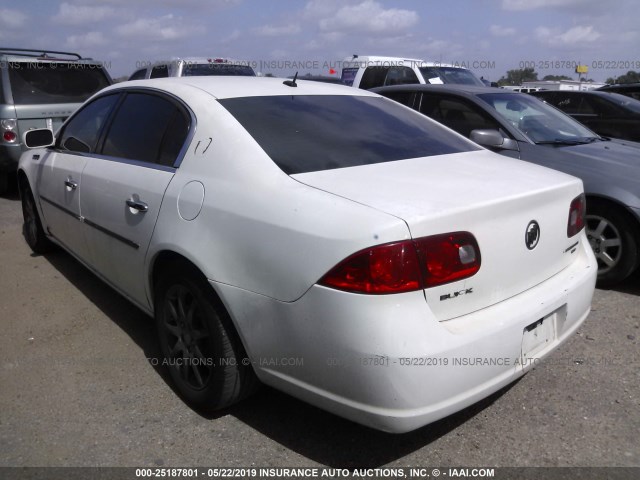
column 518, row 76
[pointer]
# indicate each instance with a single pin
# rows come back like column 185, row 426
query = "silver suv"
column 40, row 89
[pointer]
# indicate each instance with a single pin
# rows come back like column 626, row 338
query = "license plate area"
column 538, row 336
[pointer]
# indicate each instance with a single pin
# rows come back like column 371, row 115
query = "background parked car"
column 520, row 126
column 629, row 89
column 607, row 114
column 323, row 238
column 194, row 67
column 40, row 88
column 373, row 71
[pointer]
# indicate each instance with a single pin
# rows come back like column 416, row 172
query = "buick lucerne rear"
column 320, row 239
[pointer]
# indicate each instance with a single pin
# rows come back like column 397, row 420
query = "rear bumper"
column 386, row 362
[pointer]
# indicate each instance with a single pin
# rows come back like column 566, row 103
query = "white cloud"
column 69, row 14
column 369, row 17
column 275, row 31
column 535, row 4
column 499, row 31
column 167, row 27
column 90, row 39
column 11, row 18
column 574, row 36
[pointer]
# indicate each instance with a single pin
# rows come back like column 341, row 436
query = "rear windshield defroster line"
column 307, row 133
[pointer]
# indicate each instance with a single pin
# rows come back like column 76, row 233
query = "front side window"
column 459, row 115
column 82, row 132
column 54, row 82
column 147, row 128
column 303, row 133
column 405, row 98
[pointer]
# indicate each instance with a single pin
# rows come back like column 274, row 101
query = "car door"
column 59, row 180
column 124, row 187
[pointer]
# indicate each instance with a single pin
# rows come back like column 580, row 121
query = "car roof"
column 374, row 60
column 212, row 60
column 235, row 87
column 455, row 88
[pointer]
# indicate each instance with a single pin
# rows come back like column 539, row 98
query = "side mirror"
column 39, row 137
column 493, row 139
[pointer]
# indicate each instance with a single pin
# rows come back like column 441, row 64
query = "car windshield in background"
column 624, row 101
column 540, row 122
column 51, row 82
column 307, row 133
column 458, row 76
column 205, row 69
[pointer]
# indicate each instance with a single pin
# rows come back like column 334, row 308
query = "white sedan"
column 323, row 240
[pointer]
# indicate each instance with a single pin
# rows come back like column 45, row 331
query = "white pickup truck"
column 372, row 71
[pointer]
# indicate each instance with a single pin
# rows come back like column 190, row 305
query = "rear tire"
column 32, row 226
column 200, row 347
column 614, row 240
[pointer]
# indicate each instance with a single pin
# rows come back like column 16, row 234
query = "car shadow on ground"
column 330, row 440
column 630, row 285
column 307, row 430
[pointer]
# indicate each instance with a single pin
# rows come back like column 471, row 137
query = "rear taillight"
column 407, row 266
column 448, row 257
column 577, row 211
column 8, row 127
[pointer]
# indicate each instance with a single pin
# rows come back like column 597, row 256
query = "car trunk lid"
column 494, row 198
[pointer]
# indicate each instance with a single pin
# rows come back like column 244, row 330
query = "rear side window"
column 373, row 77
column 82, row 132
column 138, row 74
column 148, row 128
column 160, row 71
column 349, row 75
column 401, row 76
column 34, row 83
column 321, row 132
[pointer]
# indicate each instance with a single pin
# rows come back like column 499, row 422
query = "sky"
column 314, row 36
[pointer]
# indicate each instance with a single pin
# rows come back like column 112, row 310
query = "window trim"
column 122, row 92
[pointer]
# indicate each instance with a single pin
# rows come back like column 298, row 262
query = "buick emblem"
column 532, row 235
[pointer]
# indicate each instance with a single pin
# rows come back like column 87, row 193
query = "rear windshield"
column 307, row 133
column 52, row 82
column 205, row 69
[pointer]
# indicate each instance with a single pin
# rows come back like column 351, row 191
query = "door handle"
column 71, row 184
column 137, row 205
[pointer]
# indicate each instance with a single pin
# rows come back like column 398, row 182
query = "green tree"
column 556, row 77
column 517, row 76
column 629, row 77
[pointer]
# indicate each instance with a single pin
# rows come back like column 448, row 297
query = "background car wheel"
column 200, row 347
column 32, row 226
column 614, row 241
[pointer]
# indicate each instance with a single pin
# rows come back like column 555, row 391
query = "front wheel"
column 200, row 347
column 614, row 242
column 32, row 226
